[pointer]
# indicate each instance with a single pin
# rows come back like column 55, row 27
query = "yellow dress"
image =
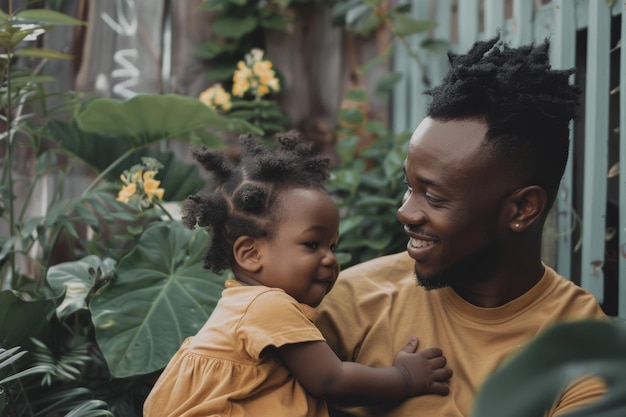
column 225, row 370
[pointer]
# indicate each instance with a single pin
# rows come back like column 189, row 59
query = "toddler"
column 259, row 354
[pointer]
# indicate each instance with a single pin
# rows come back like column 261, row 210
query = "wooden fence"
column 586, row 233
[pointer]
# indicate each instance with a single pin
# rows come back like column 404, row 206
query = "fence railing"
column 584, row 34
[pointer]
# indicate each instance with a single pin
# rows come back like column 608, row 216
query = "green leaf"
column 367, row 27
column 282, row 3
column 215, row 5
column 20, row 320
column 273, row 21
column 436, row 46
column 357, row 94
column 405, row 25
column 45, row 17
column 350, row 223
column 351, row 116
column 19, row 82
column 212, row 49
column 377, row 60
column 149, row 118
column 42, row 53
column 221, row 71
column 162, row 295
column 386, row 83
column 529, row 383
column 76, row 280
column 229, row 26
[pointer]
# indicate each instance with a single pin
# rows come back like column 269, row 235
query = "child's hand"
column 424, row 372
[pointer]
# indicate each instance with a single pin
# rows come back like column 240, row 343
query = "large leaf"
column 149, row 118
column 228, row 26
column 178, row 178
column 528, row 384
column 96, row 150
column 20, row 320
column 44, row 17
column 76, row 280
column 161, row 295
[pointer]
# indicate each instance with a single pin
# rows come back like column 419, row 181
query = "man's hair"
column 527, row 106
column 240, row 199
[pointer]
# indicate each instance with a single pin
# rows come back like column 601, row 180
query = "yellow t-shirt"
column 222, row 372
column 377, row 306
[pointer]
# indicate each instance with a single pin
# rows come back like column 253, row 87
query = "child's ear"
column 247, row 253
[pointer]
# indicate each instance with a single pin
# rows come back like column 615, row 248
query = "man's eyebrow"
column 423, row 180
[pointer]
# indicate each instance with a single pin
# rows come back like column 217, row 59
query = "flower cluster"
column 216, row 98
column 140, row 187
column 255, row 75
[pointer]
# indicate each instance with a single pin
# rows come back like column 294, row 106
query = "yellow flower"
column 126, row 192
column 262, row 90
column 216, row 98
column 254, row 74
column 151, row 186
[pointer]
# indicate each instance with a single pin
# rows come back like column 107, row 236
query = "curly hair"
column 240, row 199
column 527, row 106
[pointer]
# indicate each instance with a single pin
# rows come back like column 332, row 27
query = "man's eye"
column 433, row 200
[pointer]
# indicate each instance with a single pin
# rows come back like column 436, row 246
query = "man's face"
column 451, row 206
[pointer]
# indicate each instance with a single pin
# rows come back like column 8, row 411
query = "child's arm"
column 323, row 374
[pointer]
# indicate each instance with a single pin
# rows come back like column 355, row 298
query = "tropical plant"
column 69, row 269
column 529, row 383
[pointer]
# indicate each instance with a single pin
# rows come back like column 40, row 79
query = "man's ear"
column 247, row 253
column 526, row 207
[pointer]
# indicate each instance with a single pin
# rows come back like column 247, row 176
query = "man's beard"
column 474, row 268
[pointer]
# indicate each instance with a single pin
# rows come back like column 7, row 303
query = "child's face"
column 300, row 257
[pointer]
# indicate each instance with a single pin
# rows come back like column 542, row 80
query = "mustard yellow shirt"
column 375, row 307
column 223, row 370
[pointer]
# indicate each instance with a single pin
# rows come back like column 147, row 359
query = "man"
column 482, row 171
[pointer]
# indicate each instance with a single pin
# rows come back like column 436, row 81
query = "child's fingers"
column 431, row 353
column 412, row 345
column 439, row 388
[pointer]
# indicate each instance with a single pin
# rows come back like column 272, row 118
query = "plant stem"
column 105, row 172
column 167, row 213
column 11, row 133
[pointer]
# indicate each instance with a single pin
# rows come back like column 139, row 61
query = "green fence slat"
column 418, row 101
column 494, row 17
column 596, row 148
column 443, row 17
column 399, row 99
column 468, row 24
column 522, row 26
column 563, row 56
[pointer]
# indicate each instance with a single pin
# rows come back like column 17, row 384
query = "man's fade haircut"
column 526, row 105
column 240, row 199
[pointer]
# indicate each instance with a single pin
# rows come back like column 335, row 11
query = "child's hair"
column 526, row 105
column 240, row 199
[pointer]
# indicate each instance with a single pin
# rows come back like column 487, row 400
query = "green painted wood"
column 494, row 17
column 418, row 72
column 563, row 56
column 596, row 148
column 622, row 158
column 522, row 24
column 468, row 24
column 440, row 64
column 400, row 98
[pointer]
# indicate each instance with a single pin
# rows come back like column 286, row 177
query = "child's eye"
column 333, row 247
column 312, row 245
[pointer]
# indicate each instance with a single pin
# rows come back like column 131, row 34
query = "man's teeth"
column 417, row 243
